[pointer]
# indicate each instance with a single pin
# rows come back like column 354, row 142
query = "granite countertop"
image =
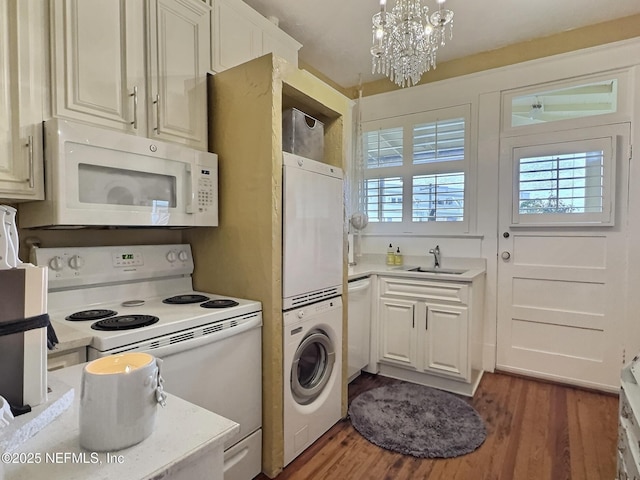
column 183, row 433
column 375, row 265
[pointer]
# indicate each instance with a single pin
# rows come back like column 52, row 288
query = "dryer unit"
column 312, row 373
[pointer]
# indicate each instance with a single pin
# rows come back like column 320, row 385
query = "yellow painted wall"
column 243, row 255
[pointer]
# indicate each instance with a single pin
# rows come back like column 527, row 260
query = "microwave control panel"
column 206, row 190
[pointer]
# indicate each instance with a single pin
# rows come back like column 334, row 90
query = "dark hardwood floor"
column 535, row 431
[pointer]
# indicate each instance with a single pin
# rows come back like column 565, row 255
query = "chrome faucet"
column 436, row 255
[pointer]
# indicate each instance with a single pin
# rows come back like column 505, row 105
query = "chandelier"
column 406, row 39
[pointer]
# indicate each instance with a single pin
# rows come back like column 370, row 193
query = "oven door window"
column 312, row 367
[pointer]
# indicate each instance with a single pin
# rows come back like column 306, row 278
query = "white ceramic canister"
column 118, row 401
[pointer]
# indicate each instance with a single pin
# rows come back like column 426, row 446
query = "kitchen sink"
column 447, row 271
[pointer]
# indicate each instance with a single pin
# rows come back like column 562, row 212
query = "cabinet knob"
column 505, row 255
column 505, row 234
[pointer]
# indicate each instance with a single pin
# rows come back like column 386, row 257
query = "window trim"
column 408, row 170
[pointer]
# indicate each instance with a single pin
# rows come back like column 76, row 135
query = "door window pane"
column 585, row 100
column 568, row 183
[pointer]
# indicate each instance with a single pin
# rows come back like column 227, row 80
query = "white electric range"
column 140, row 298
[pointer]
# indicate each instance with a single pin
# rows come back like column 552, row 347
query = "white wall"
column 483, row 92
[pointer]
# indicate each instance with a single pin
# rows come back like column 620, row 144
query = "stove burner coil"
column 182, row 299
column 125, row 322
column 91, row 315
column 220, row 303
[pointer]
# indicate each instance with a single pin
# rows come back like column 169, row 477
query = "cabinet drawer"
column 449, row 292
column 66, row 359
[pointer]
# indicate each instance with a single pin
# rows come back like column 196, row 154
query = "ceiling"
column 336, row 34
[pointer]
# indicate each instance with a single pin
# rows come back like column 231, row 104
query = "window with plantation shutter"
column 415, row 171
column 564, row 183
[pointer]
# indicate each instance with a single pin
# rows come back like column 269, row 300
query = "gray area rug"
column 417, row 420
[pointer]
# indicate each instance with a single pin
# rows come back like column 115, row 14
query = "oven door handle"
column 175, row 345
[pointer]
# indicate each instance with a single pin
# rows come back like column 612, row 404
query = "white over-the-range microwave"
column 99, row 177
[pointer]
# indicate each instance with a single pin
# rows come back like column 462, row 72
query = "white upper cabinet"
column 97, row 69
column 240, row 34
column 102, row 74
column 235, row 38
column 179, row 42
column 22, row 78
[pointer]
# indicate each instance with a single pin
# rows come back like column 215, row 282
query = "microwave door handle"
column 191, row 188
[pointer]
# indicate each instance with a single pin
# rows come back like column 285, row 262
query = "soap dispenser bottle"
column 391, row 260
column 398, row 257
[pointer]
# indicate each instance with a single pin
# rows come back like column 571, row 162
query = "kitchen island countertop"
column 187, row 443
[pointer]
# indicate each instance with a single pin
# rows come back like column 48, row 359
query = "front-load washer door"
column 312, row 366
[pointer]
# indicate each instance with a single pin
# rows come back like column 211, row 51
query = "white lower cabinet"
column 398, row 339
column 445, row 349
column 428, row 333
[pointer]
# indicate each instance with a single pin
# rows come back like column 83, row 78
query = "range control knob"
column 76, row 262
column 56, row 264
column 171, row 256
column 183, row 256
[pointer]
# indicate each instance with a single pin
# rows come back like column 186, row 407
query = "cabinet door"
column 271, row 43
column 398, row 331
column 21, row 99
column 235, row 39
column 445, row 340
column 179, row 42
column 97, row 65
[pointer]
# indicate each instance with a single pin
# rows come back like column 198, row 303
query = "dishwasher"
column 359, row 325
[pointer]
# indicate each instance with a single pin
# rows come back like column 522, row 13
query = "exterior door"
column 561, row 258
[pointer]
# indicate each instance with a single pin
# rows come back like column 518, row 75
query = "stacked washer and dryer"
column 312, row 287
